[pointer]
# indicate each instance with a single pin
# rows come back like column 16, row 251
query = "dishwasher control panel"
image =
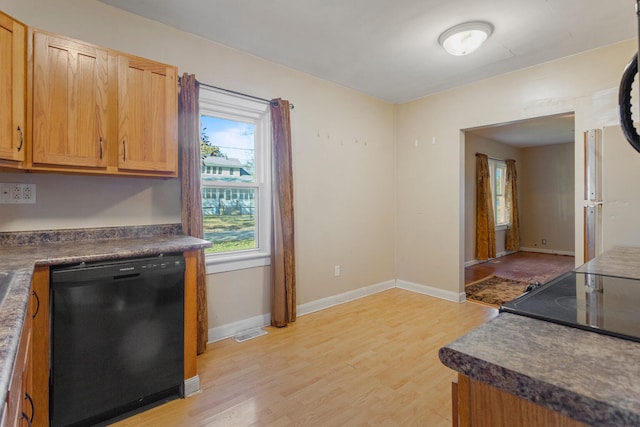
column 117, row 268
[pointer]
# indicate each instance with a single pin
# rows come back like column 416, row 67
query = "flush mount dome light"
column 465, row 38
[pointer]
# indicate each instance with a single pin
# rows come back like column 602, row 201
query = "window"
column 498, row 171
column 236, row 180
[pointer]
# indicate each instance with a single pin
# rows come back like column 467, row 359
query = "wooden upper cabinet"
column 70, row 88
column 12, row 88
column 101, row 111
column 147, row 116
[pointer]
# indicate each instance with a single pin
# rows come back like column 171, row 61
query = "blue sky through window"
column 235, row 139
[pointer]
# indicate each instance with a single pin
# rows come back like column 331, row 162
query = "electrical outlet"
column 336, row 271
column 28, row 193
column 16, row 193
column 544, row 241
column 13, row 193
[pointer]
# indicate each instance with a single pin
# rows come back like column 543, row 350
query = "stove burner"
column 568, row 303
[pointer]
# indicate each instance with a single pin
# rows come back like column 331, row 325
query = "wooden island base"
column 481, row 405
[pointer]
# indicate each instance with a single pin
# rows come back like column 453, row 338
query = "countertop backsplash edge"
column 37, row 237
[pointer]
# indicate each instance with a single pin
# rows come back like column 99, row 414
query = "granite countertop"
column 590, row 377
column 587, row 376
column 619, row 261
column 20, row 252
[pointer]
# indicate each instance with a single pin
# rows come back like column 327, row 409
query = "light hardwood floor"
column 369, row 362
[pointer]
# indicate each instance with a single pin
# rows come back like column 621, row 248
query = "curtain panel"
column 485, row 220
column 511, row 198
column 283, row 264
column 192, row 225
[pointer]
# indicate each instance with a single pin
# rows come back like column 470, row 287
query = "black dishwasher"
column 117, row 337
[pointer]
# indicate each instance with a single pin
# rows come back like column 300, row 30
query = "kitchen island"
column 581, row 377
column 26, row 258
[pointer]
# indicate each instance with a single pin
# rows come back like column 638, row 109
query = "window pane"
column 229, row 216
column 498, row 171
column 500, row 210
column 228, row 155
column 228, row 150
column 499, row 180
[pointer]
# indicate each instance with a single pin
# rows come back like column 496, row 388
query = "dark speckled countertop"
column 589, row 377
column 20, row 252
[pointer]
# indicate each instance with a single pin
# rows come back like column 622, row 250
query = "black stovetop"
column 604, row 304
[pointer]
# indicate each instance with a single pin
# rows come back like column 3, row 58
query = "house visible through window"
column 498, row 170
column 235, row 179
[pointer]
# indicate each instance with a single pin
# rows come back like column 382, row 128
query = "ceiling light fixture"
column 465, row 38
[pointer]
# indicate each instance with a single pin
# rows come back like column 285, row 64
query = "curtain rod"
column 493, row 158
column 246, row 95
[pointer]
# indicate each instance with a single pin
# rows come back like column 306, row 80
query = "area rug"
column 495, row 290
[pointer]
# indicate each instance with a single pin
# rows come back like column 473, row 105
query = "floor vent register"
column 249, row 334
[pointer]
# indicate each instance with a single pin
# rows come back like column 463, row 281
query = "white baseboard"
column 472, row 262
column 327, row 302
column 504, row 253
column 191, row 386
column 229, row 330
column 431, row 291
column 498, row 255
column 548, row 251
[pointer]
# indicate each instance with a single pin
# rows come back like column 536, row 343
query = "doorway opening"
column 544, row 152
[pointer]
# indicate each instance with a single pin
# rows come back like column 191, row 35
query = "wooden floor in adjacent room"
column 525, row 266
column 369, row 362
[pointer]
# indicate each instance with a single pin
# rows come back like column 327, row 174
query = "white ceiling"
column 558, row 129
column 389, row 49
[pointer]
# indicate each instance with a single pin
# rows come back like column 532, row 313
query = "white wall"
column 343, row 160
column 67, row 201
column 430, row 201
column 547, row 198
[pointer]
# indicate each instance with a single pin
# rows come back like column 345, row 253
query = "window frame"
column 494, row 165
column 231, row 107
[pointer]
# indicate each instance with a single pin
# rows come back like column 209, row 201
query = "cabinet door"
column 12, row 88
column 28, row 407
column 19, row 386
column 147, row 116
column 39, row 361
column 69, row 102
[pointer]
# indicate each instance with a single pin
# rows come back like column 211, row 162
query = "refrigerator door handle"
column 592, row 165
column 592, row 214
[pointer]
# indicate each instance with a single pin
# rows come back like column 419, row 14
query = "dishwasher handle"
column 126, row 276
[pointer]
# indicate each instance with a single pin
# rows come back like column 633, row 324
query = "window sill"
column 501, row 227
column 240, row 261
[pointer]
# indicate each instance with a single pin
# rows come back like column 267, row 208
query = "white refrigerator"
column 612, row 191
